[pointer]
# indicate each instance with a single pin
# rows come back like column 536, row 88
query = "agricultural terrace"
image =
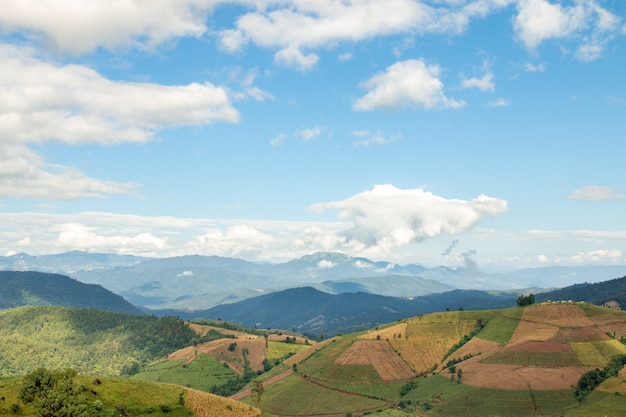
column 429, row 338
column 203, row 404
column 551, row 347
column 380, row 355
column 228, row 350
column 203, row 329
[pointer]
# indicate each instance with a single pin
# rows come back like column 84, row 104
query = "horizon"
column 425, row 132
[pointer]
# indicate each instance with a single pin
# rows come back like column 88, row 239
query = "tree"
column 257, row 391
column 52, row 393
column 526, row 300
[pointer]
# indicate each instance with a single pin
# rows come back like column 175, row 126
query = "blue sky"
column 413, row 131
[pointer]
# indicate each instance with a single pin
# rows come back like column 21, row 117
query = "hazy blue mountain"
column 311, row 311
column 27, row 288
column 200, row 282
column 388, row 285
column 67, row 262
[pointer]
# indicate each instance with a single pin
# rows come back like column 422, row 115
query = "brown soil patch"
column 302, row 355
column 379, row 354
column 281, row 338
column 585, row 334
column 219, row 350
column 513, row 377
column 611, row 323
column 394, row 332
column 476, row 346
column 540, row 346
column 561, row 315
column 527, row 330
column 202, row 329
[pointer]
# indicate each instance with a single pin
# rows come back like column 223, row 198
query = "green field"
column 527, row 358
column 202, row 373
column 137, row 398
column 501, row 326
column 307, row 398
column 280, row 350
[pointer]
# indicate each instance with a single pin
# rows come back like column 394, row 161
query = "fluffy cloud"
column 297, row 25
column 24, row 174
column 597, row 193
column 367, row 138
column 76, row 26
column 541, row 20
column 485, row 83
column 406, row 83
column 42, row 101
column 389, row 217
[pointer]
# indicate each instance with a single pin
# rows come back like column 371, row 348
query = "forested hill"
column 38, row 289
column 597, row 293
column 93, row 342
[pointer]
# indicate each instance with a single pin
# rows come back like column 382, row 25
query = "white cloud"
column 485, row 83
column 25, row 174
column 389, row 217
column 406, row 83
column 310, row 133
column 294, row 26
column 597, row 193
column 541, row 20
column 325, row 264
column 278, row 140
column 529, row 67
column 499, row 102
column 41, row 101
column 76, row 26
column 376, row 138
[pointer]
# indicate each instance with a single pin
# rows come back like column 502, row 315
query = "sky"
column 410, row 131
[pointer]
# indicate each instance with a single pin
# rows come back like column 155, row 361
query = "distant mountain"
column 201, row 282
column 310, row 311
column 597, row 293
column 43, row 289
column 66, row 263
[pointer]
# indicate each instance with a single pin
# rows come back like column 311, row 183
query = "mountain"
column 200, row 282
column 37, row 289
column 561, row 359
column 67, row 262
column 598, row 293
column 310, row 311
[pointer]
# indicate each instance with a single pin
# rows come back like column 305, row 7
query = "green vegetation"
column 526, row 300
column 500, row 328
column 280, row 350
column 590, row 380
column 65, row 394
column 91, row 341
column 202, row 373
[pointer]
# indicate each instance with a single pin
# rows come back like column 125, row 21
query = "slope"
column 37, row 288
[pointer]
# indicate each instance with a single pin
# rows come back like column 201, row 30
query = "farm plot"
column 381, row 356
column 561, row 315
column 429, row 338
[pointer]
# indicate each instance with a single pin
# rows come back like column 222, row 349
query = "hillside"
column 596, row 293
column 40, row 289
column 91, row 341
column 105, row 397
column 309, row 311
column 514, row 362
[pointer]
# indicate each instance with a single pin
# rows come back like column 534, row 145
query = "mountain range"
column 202, row 282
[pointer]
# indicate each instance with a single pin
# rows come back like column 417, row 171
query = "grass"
column 482, row 402
column 308, row 398
column 201, row 373
column 527, row 358
column 136, row 397
column 280, row 350
column 501, row 326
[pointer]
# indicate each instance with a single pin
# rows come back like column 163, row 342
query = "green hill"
column 106, row 397
column 514, row 362
column 40, row 289
column 92, row 341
